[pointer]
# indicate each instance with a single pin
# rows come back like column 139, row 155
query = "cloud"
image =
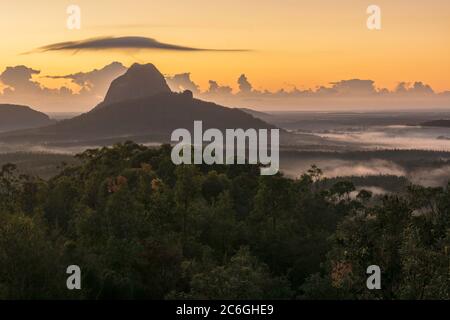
column 182, row 81
column 417, row 87
column 108, row 43
column 19, row 84
column 96, row 81
column 244, row 85
column 19, row 87
column 354, row 87
column 359, row 94
column 215, row 88
column 19, row 78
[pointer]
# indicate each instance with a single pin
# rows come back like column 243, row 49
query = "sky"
column 278, row 44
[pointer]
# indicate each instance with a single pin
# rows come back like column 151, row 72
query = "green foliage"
column 141, row 228
column 243, row 277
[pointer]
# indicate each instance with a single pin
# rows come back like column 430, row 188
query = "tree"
column 244, row 277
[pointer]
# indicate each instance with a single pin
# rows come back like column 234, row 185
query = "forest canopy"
column 140, row 227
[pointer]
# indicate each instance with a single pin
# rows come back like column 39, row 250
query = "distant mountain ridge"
column 139, row 103
column 445, row 123
column 258, row 114
column 16, row 117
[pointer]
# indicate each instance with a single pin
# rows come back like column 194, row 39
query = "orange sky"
column 293, row 42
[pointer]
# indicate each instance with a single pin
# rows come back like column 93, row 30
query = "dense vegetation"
column 140, row 227
column 41, row 164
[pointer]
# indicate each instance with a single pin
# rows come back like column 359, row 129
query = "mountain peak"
column 140, row 80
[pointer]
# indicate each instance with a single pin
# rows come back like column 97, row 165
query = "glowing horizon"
column 294, row 43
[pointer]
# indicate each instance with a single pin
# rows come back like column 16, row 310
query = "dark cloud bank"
column 122, row 43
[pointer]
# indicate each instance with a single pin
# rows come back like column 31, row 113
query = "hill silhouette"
column 444, row 123
column 15, row 117
column 141, row 80
column 139, row 103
